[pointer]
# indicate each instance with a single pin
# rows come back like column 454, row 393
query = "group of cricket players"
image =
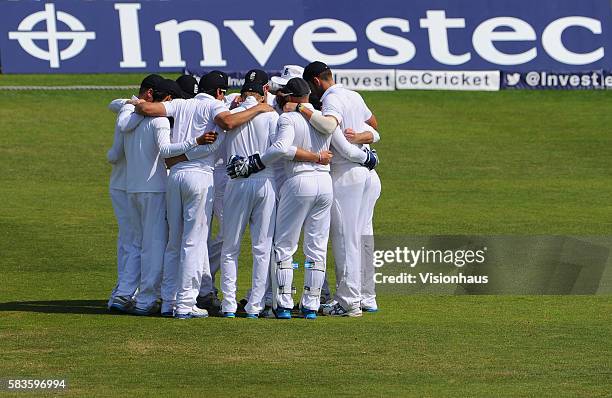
column 287, row 156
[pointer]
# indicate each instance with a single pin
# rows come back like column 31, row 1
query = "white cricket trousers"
column 368, row 285
column 247, row 201
column 128, row 257
column 189, row 196
column 215, row 243
column 148, row 218
column 348, row 214
column 305, row 201
column 279, row 179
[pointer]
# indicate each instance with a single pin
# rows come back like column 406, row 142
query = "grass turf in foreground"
column 418, row 346
column 452, row 163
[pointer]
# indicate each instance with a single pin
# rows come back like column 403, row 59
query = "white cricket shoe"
column 328, row 304
column 338, row 310
column 194, row 313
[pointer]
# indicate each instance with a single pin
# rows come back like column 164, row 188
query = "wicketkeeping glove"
column 371, row 159
column 238, row 166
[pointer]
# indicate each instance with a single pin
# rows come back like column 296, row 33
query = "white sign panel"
column 447, row 80
column 366, row 79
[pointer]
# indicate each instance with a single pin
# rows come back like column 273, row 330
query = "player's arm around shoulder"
column 158, row 109
column 127, row 120
column 324, row 124
column 229, row 121
column 116, row 105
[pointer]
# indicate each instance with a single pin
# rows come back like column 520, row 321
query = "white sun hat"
column 289, row 72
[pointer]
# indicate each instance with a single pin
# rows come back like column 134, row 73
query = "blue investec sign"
column 106, row 36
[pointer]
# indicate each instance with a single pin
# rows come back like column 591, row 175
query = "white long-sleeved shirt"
column 146, row 171
column 252, row 137
column 350, row 110
column 344, row 150
column 116, row 154
column 192, row 118
column 294, row 132
column 167, row 149
column 127, row 120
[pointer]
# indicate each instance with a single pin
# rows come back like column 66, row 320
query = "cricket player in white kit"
column 249, row 201
column 253, row 76
column 343, row 149
column 305, row 201
column 128, row 253
column 208, row 295
column 352, row 186
column 146, row 186
column 276, row 100
column 126, row 250
column 190, row 190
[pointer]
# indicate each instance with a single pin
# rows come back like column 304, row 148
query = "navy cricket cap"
column 296, row 87
column 314, row 69
column 255, row 87
column 225, row 76
column 174, row 89
column 189, row 86
column 150, row 81
column 256, row 76
column 165, row 87
column 212, row 81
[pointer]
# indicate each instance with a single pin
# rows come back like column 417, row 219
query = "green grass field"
column 452, row 163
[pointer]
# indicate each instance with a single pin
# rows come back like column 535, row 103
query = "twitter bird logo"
column 512, row 79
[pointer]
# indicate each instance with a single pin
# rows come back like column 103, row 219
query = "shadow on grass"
column 96, row 307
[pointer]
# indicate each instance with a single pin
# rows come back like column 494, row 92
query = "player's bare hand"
column 236, row 102
column 289, row 107
column 174, row 160
column 325, row 157
column 264, row 108
column 350, row 135
column 135, row 102
column 207, row 138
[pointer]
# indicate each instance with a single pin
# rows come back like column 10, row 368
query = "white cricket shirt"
column 294, row 131
column 146, row 171
column 254, row 136
column 349, row 109
column 192, row 118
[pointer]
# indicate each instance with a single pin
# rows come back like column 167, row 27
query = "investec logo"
column 400, row 48
column 77, row 35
